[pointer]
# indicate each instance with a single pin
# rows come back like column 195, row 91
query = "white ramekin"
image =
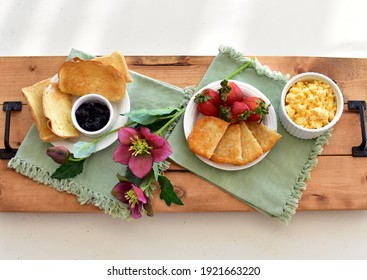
column 297, row 130
column 92, row 97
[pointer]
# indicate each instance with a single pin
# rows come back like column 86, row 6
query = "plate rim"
column 191, row 108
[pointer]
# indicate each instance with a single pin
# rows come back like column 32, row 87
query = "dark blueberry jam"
column 92, row 116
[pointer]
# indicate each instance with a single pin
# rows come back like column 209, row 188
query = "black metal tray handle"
column 359, row 105
column 9, row 152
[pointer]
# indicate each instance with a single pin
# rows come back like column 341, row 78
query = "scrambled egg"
column 311, row 104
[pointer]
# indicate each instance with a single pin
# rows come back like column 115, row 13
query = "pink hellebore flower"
column 132, row 195
column 139, row 148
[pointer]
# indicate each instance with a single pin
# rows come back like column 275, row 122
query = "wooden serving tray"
column 339, row 182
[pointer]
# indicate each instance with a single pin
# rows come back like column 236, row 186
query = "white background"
column 187, row 27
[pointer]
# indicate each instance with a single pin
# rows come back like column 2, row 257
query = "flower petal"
column 122, row 154
column 136, row 210
column 140, row 165
column 155, row 140
column 140, row 194
column 119, row 191
column 144, row 132
column 162, row 153
column 125, row 135
column 161, row 148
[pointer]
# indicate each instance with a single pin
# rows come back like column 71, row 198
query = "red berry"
column 235, row 113
column 208, row 95
column 230, row 92
column 239, row 108
column 258, row 108
column 208, row 102
column 240, row 111
column 208, row 109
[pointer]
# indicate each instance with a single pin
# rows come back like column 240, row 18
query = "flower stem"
column 239, row 70
column 71, row 158
column 112, row 131
column 147, row 184
column 174, row 117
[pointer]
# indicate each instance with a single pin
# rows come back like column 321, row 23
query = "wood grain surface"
column 339, row 182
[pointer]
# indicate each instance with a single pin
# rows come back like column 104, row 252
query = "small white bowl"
column 297, row 130
column 92, row 97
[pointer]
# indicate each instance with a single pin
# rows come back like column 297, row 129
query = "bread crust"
column 79, row 77
column 34, row 96
column 57, row 109
column 117, row 60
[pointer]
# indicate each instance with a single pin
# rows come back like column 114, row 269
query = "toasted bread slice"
column 250, row 148
column 117, row 60
column 266, row 137
column 34, row 96
column 57, row 109
column 206, row 135
column 79, row 77
column 229, row 147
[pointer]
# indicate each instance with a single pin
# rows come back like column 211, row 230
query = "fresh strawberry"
column 235, row 113
column 258, row 108
column 225, row 113
column 208, row 102
column 208, row 109
column 240, row 111
column 209, row 95
column 230, row 92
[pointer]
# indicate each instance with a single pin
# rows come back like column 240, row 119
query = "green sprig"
column 239, row 70
column 173, row 118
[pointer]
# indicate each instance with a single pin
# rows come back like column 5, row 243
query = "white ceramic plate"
column 192, row 115
column 118, row 108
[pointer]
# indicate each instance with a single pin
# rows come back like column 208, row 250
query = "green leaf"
column 156, row 125
column 84, row 149
column 68, row 170
column 167, row 193
column 146, row 116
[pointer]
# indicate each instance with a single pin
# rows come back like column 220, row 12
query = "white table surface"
column 188, row 27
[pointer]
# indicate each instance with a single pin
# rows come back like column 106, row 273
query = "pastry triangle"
column 229, row 147
column 266, row 137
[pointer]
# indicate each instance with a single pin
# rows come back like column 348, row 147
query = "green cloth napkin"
column 274, row 185
column 99, row 175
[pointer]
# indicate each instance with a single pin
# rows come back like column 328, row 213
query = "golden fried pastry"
column 117, row 60
column 229, row 147
column 57, row 109
column 250, row 148
column 266, row 137
column 206, row 135
column 34, row 96
column 80, row 77
column 236, row 144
